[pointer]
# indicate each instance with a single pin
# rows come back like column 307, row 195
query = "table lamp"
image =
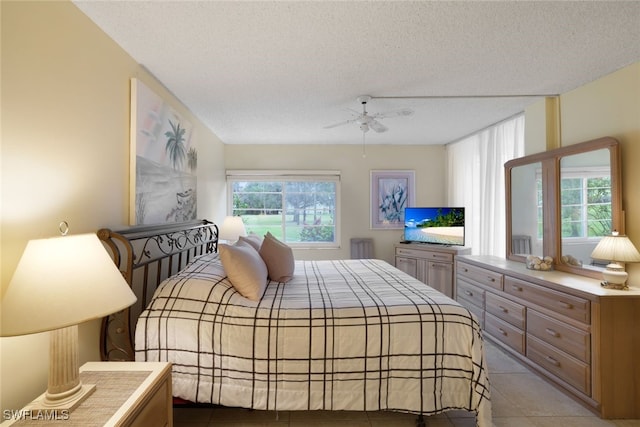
column 232, row 228
column 58, row 283
column 615, row 248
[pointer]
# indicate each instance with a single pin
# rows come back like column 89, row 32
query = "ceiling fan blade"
column 394, row 113
column 377, row 126
column 354, row 112
column 340, row 124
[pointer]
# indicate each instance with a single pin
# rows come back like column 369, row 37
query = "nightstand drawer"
column 471, row 293
column 567, row 338
column 558, row 302
column 154, row 411
column 569, row 369
column 480, row 275
column 506, row 310
column 503, row 331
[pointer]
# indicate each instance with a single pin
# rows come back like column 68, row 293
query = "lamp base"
column 64, row 402
column 618, row 286
column 615, row 277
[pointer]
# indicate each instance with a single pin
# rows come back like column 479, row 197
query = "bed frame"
column 146, row 255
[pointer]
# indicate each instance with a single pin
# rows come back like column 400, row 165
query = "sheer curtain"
column 476, row 181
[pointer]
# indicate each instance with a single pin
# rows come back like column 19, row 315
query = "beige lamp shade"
column 616, row 248
column 232, row 228
column 61, row 282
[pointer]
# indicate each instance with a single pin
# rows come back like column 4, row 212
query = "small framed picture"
column 391, row 192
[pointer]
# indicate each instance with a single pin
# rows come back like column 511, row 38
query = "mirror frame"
column 550, row 161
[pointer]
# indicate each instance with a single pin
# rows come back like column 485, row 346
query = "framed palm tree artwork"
column 163, row 163
column 391, row 192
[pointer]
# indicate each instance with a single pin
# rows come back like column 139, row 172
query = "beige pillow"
column 278, row 257
column 253, row 239
column 245, row 268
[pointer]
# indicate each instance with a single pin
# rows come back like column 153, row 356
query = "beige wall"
column 428, row 162
column 609, row 106
column 65, row 154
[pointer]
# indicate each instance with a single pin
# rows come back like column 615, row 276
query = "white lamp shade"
column 616, row 248
column 232, row 228
column 61, row 282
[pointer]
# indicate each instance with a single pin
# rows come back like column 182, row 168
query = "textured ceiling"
column 278, row 72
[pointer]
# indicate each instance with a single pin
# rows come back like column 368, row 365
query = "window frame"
column 284, row 176
column 584, row 174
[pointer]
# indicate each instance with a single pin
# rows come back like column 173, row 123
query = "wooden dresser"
column 582, row 337
column 431, row 264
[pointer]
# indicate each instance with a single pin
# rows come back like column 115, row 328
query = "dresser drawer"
column 504, row 332
column 477, row 311
column 428, row 255
column 480, row 275
column 509, row 311
column 567, row 305
column 470, row 292
column 569, row 369
column 567, row 338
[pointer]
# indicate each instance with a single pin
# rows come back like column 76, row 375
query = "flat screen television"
column 435, row 225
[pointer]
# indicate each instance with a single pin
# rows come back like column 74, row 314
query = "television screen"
column 437, row 225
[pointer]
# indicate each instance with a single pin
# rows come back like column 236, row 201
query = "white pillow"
column 279, row 259
column 245, row 268
column 253, row 239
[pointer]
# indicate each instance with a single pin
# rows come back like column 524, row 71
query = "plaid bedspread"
column 343, row 335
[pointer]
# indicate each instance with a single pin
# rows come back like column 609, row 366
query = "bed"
column 340, row 335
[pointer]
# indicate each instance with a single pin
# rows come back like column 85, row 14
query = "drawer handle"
column 552, row 333
column 516, row 288
column 468, row 293
column 504, row 310
column 502, row 331
column 491, row 279
column 553, row 361
column 565, row 305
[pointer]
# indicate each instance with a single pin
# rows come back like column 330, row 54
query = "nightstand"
column 127, row 394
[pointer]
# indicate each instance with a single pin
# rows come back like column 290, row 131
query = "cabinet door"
column 440, row 277
column 408, row 265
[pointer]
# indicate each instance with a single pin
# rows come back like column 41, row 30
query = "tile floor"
column 520, row 398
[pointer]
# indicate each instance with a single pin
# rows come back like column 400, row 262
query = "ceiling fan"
column 368, row 121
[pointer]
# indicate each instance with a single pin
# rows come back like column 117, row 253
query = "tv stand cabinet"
column 431, row 264
column 578, row 335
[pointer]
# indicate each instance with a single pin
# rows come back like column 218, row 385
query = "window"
column 475, row 167
column 299, row 208
column 586, row 203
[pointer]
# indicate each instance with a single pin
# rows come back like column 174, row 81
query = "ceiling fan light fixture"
column 363, row 99
column 366, row 121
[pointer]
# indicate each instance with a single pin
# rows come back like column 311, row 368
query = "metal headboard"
column 146, row 255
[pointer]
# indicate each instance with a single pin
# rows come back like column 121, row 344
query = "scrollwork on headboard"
column 146, row 255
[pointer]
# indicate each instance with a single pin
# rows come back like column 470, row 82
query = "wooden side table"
column 127, row 394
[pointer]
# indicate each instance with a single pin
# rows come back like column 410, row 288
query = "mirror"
column 526, row 209
column 560, row 202
column 585, row 206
